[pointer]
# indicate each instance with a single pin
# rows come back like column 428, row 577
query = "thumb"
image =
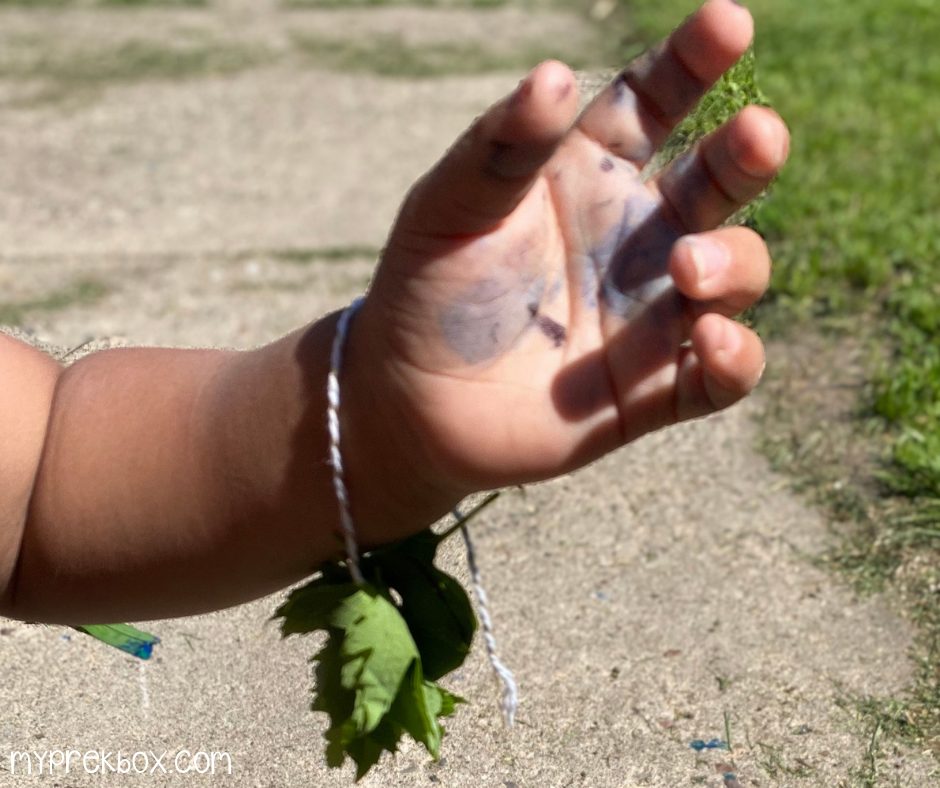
column 488, row 171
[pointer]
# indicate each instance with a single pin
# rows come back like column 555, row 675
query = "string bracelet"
column 332, row 417
column 509, row 701
column 510, row 696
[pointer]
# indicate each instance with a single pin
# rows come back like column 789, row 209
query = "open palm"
column 539, row 304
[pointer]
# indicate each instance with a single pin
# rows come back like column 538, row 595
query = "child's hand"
column 531, row 312
column 534, row 310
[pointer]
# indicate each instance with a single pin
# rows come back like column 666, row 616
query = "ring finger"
column 724, row 271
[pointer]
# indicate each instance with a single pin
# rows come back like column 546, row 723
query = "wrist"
column 395, row 489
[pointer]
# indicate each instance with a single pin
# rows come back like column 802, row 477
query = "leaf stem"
column 464, row 518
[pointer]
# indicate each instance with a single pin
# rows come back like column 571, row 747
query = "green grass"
column 578, row 6
column 854, row 227
column 303, row 256
column 390, row 55
column 818, row 430
column 735, row 90
column 59, row 3
column 311, row 4
column 37, row 3
column 64, row 70
column 853, row 219
column 139, row 3
column 85, row 291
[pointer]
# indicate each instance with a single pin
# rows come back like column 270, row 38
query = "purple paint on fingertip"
column 607, row 164
column 563, row 91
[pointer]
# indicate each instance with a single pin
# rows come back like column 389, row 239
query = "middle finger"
column 729, row 168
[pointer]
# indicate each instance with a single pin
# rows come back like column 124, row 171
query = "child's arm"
column 538, row 305
column 27, row 384
column 180, row 481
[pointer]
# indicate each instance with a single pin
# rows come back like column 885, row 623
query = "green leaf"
column 310, row 608
column 358, row 678
column 372, row 673
column 434, row 605
column 416, row 711
column 449, row 702
column 417, row 707
column 376, row 653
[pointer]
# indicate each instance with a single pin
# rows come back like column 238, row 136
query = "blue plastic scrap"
column 124, row 637
column 715, row 744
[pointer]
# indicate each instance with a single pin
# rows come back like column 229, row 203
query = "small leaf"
column 371, row 675
column 449, row 702
column 309, row 608
column 341, row 693
column 377, row 652
column 414, row 713
column 435, row 606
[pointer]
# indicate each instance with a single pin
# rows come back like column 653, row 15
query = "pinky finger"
column 722, row 367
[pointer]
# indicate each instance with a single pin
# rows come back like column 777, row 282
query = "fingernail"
column 710, row 258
